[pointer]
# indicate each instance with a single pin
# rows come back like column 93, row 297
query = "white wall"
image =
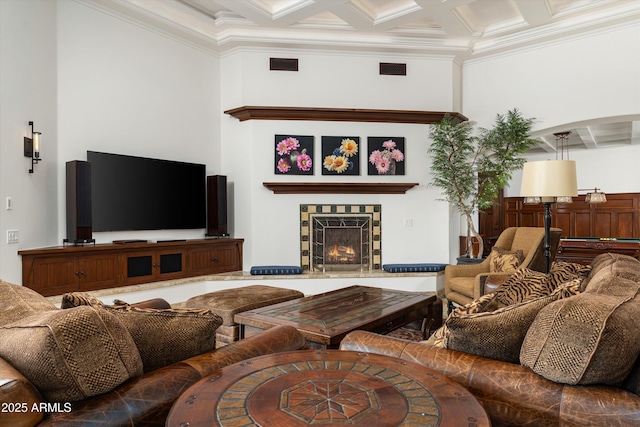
column 127, row 90
column 561, row 83
column 270, row 222
column 613, row 170
column 28, row 86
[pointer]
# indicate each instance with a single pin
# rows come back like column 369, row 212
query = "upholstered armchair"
column 465, row 283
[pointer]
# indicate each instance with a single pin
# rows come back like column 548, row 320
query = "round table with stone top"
column 324, row 388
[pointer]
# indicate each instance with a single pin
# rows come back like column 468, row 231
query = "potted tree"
column 470, row 169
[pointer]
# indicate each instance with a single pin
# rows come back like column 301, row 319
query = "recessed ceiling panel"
column 276, row 7
column 323, row 19
column 490, row 16
column 377, row 10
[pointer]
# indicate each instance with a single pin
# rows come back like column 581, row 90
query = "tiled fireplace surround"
column 343, row 237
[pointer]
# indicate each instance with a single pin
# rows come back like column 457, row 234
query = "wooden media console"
column 56, row 270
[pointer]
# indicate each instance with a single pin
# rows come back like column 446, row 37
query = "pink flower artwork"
column 294, row 155
column 386, row 156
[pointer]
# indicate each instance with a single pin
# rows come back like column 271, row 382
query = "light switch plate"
column 13, row 236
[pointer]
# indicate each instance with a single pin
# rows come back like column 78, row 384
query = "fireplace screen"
column 343, row 238
column 340, row 242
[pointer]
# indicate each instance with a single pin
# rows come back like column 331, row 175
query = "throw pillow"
column 608, row 264
column 523, row 285
column 18, row 302
column 527, row 284
column 440, row 336
column 562, row 271
column 498, row 334
column 162, row 336
column 71, row 354
column 504, row 261
column 587, row 339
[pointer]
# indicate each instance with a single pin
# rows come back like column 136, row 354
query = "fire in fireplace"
column 341, row 254
column 341, row 239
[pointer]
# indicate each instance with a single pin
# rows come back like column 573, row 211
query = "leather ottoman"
column 229, row 302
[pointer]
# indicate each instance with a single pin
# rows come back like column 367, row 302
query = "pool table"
column 584, row 249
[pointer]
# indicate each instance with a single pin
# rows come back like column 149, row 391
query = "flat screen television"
column 138, row 193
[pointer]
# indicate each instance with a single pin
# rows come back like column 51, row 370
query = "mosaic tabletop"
column 326, row 318
column 326, row 388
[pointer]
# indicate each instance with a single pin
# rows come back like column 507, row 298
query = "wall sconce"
column 595, row 196
column 32, row 147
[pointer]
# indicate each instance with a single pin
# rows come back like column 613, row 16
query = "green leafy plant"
column 470, row 169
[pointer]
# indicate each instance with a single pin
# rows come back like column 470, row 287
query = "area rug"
column 409, row 332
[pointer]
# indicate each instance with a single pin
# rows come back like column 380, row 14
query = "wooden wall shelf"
column 339, row 114
column 339, row 187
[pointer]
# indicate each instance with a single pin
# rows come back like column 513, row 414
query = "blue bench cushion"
column 275, row 269
column 414, row 268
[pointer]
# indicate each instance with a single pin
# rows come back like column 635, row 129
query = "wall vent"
column 393, row 69
column 283, row 64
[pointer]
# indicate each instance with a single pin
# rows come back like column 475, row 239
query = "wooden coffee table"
column 325, row 319
column 326, row 388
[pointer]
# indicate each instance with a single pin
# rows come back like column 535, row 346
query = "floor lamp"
column 545, row 181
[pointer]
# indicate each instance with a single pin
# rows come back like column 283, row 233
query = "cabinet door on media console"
column 50, row 275
column 98, row 271
column 148, row 266
column 219, row 258
column 55, row 275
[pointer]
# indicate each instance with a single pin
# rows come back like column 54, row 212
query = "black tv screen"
column 138, row 193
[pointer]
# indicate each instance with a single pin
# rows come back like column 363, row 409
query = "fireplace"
column 340, row 237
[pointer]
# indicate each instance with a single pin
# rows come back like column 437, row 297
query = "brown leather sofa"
column 511, row 394
column 562, row 345
column 144, row 399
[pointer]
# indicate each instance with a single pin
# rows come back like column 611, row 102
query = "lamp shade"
column 549, row 178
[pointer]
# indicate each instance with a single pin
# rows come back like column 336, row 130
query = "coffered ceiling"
column 462, row 28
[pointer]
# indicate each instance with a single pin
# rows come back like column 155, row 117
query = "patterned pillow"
column 562, row 272
column 523, row 285
column 526, row 284
column 504, row 261
column 496, row 334
column 71, row 354
column 162, row 336
column 19, row 302
column 484, row 303
column 592, row 338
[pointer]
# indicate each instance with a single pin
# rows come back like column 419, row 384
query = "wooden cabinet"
column 60, row 274
column 213, row 259
column 151, row 266
column 619, row 217
column 53, row 271
column 587, row 229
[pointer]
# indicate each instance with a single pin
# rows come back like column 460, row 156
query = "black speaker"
column 79, row 222
column 217, row 206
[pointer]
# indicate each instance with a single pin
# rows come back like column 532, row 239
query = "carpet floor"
column 409, row 332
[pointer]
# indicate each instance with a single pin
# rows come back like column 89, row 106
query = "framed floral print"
column 386, row 155
column 340, row 155
column 294, row 155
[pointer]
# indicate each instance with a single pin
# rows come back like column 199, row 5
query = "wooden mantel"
column 339, row 187
column 340, row 114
